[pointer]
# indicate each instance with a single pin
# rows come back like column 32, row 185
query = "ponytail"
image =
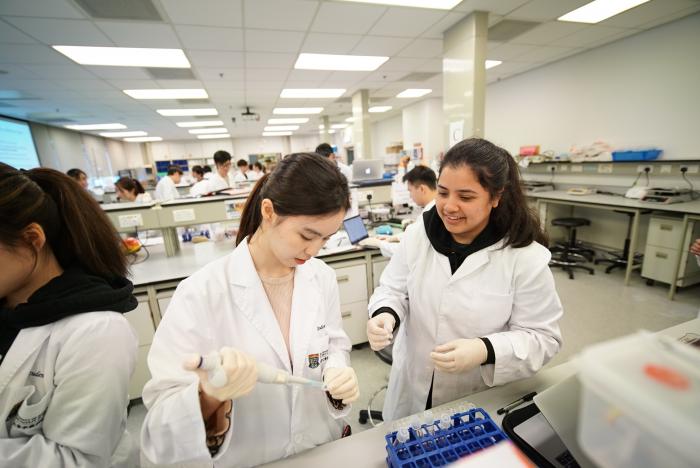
column 77, row 230
column 130, row 185
column 252, row 216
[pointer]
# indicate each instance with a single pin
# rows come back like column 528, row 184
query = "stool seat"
column 571, row 222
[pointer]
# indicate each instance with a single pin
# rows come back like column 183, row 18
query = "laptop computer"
column 367, row 170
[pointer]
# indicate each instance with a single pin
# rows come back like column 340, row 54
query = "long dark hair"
column 77, row 230
column 130, row 185
column 301, row 184
column 498, row 173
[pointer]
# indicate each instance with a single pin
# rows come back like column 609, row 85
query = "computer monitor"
column 367, row 169
column 356, row 229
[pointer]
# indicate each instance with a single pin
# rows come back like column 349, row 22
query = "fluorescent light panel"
column 434, row 4
column 378, row 109
column 331, row 131
column 312, row 93
column 281, row 128
column 142, row 139
column 276, row 133
column 350, row 119
column 166, row 93
column 493, row 63
column 107, row 126
column 187, row 112
column 296, row 110
column 293, row 120
column 123, row 134
column 307, row 61
column 200, row 123
column 125, row 56
column 413, row 93
column 599, row 10
column 203, row 131
column 212, row 137
column 338, row 126
column 321, row 127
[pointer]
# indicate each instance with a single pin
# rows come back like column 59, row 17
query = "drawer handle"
column 343, row 279
column 666, row 227
column 347, row 313
column 661, row 255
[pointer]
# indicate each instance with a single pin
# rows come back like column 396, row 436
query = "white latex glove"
column 406, row 222
column 240, row 370
column 458, row 356
column 371, row 242
column 380, row 331
column 389, row 238
column 695, row 247
column 341, row 383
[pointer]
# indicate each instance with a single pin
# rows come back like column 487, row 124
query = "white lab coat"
column 240, row 177
column 224, row 304
column 166, row 190
column 388, row 249
column 504, row 294
column 144, row 197
column 345, row 170
column 64, row 393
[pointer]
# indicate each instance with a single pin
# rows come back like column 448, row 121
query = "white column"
column 361, row 131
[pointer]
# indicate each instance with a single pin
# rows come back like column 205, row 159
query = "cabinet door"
column 659, row 263
column 352, row 283
column 163, row 298
column 141, row 320
column 355, row 321
column 378, row 266
column 665, row 232
column 141, row 373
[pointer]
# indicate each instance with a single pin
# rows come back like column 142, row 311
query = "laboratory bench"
column 155, row 279
column 367, row 448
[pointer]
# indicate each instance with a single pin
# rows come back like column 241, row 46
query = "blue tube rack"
column 471, row 431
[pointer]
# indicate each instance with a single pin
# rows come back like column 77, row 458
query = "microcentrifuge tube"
column 428, row 421
column 402, row 435
column 445, row 422
column 415, row 425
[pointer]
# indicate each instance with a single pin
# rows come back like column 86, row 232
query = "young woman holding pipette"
column 267, row 312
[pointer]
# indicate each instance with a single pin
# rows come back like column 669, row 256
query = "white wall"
column 422, row 123
column 384, row 133
column 640, row 91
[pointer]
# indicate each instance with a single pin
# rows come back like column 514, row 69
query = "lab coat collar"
column 475, row 261
column 26, row 345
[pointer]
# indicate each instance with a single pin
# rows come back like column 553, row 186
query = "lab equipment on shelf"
column 426, row 441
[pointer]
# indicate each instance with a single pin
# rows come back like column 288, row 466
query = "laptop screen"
column 367, row 169
column 356, row 229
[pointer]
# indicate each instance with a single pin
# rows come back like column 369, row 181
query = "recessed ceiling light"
column 167, row 93
column 281, row 128
column 493, row 63
column 350, row 119
column 107, row 126
column 296, row 110
column 202, row 131
column 338, row 126
column 378, row 109
column 321, row 127
column 142, row 139
column 297, row 120
column 331, row 131
column 434, row 4
column 212, row 137
column 413, row 93
column 125, row 56
column 599, row 10
column 200, row 123
column 186, row 112
column 311, row 93
column 339, row 62
column 276, row 133
column 123, row 134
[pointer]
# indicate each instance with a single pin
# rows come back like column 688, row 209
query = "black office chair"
column 619, row 260
column 386, row 356
column 572, row 254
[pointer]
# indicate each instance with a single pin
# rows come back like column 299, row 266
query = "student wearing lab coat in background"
column 218, row 179
column 268, row 301
column 166, row 189
column 66, row 351
column 243, row 170
column 469, row 292
column 326, row 150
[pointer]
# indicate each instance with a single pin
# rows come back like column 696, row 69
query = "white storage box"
column 640, row 403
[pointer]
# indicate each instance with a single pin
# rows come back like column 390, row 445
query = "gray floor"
column 596, row 308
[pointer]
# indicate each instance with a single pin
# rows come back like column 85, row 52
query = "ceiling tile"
column 119, row 73
column 10, row 34
column 346, row 18
column 308, row 75
column 673, row 17
column 406, row 22
column 39, row 54
column 205, row 12
column 179, row 84
column 431, row 65
column 295, row 15
column 423, row 48
column 266, row 40
column 13, row 73
column 437, row 29
column 508, row 51
column 40, row 8
column 133, row 84
column 265, row 75
column 379, row 45
column 647, row 12
column 402, row 64
column 137, row 34
column 269, row 60
column 67, row 72
column 501, row 7
column 210, row 58
column 588, row 35
column 220, row 74
column 546, row 53
column 547, row 33
column 208, row 38
column 342, row 79
column 320, row 43
column 545, row 10
column 62, row 31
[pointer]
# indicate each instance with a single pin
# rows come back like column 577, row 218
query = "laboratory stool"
column 619, row 260
column 571, row 255
column 386, row 356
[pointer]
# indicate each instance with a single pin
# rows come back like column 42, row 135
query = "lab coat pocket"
column 317, row 356
column 492, row 312
column 29, row 418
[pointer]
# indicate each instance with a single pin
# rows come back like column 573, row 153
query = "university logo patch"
column 313, row 361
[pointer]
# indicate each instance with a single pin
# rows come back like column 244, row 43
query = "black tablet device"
column 356, row 229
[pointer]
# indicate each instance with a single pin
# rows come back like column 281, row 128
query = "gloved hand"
column 371, row 242
column 460, row 355
column 380, row 331
column 341, row 383
column 389, row 238
column 240, row 370
column 406, row 222
column 695, row 247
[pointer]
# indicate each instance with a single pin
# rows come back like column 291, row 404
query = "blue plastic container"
column 642, row 155
column 471, row 431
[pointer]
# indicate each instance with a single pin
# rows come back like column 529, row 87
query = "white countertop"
column 691, row 207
